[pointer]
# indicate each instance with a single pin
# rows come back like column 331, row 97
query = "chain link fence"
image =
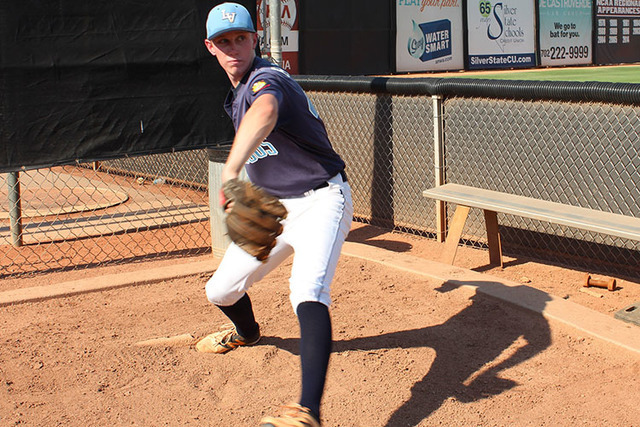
column 387, row 143
column 577, row 153
column 583, row 154
column 109, row 212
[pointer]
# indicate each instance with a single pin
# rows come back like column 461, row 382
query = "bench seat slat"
column 558, row 213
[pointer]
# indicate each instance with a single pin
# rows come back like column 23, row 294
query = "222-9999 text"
column 563, row 52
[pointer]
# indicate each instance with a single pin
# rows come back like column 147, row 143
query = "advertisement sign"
column 289, row 32
column 565, row 32
column 501, row 34
column 618, row 31
column 429, row 35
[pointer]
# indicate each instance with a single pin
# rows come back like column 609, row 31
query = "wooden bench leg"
column 493, row 238
column 441, row 221
column 453, row 236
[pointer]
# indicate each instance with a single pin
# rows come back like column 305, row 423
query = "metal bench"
column 492, row 202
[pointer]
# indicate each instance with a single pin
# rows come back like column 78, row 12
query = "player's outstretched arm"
column 258, row 122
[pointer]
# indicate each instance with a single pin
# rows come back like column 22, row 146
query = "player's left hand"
column 253, row 217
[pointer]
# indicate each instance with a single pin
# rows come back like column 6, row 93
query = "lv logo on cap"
column 229, row 16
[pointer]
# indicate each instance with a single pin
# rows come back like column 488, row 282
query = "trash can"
column 219, row 239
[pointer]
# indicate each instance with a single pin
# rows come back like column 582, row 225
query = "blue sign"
column 431, row 40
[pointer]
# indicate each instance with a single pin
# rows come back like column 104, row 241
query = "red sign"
column 289, row 33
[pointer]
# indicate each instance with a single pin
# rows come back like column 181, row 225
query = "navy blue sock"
column 315, row 349
column 241, row 315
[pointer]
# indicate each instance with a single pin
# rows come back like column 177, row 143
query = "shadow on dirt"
column 472, row 349
column 368, row 234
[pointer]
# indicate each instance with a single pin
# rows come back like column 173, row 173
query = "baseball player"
column 283, row 144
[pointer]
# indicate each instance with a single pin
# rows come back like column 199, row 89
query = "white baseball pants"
column 316, row 226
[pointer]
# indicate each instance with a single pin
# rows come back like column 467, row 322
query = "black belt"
column 343, row 174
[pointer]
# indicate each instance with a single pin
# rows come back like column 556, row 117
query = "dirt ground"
column 408, row 351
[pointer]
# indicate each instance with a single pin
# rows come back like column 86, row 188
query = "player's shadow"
column 472, row 348
column 368, row 235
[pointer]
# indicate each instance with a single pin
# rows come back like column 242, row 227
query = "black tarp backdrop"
column 355, row 37
column 85, row 81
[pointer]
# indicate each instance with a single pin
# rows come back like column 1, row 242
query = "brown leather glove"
column 253, row 217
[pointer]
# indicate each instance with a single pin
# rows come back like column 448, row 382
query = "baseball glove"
column 253, row 217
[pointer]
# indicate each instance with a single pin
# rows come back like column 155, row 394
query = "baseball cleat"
column 296, row 416
column 225, row 340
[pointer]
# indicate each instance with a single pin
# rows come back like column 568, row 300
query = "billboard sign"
column 565, row 32
column 289, row 32
column 618, row 31
column 429, row 35
column 501, row 34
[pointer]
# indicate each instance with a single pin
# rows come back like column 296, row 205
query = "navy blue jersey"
column 297, row 156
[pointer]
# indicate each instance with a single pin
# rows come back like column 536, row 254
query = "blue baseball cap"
column 228, row 17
